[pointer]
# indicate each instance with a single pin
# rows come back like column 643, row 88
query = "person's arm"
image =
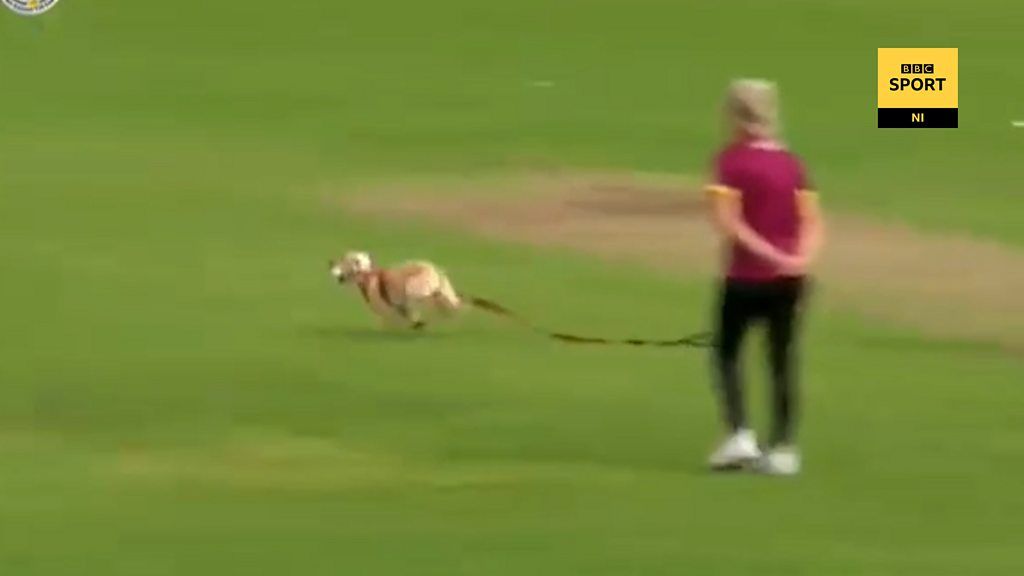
column 812, row 227
column 727, row 214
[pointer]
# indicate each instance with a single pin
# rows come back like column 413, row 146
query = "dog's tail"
column 697, row 340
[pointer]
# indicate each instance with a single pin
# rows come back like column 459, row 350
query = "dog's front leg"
column 411, row 315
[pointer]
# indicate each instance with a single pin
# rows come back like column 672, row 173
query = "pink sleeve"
column 804, row 182
column 724, row 180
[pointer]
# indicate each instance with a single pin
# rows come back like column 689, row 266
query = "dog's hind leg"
column 446, row 299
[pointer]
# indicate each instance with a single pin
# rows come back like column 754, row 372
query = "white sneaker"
column 737, row 451
column 780, row 461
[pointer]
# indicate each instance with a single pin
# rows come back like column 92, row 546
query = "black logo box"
column 918, row 117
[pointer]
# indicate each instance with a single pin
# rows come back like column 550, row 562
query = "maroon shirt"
column 769, row 181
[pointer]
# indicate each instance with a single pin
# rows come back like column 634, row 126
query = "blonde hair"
column 752, row 106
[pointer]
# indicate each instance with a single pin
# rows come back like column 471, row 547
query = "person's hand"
column 793, row 265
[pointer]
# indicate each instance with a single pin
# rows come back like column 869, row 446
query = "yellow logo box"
column 918, row 78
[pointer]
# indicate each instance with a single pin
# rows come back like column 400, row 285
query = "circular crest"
column 30, row 7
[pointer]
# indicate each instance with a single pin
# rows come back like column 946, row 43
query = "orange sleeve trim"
column 722, row 190
column 807, row 200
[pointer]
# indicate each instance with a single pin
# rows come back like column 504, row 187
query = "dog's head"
column 350, row 266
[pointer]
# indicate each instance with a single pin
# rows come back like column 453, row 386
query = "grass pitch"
column 183, row 392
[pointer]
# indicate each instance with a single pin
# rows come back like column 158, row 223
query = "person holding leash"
column 767, row 214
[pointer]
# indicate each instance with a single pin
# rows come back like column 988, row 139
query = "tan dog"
column 400, row 293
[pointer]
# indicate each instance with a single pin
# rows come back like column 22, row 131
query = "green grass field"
column 182, row 391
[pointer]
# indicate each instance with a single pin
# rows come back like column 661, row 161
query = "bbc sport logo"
column 917, row 88
column 30, row 7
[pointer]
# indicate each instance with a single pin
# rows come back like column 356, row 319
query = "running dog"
column 399, row 294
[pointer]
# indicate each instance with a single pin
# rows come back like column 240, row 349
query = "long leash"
column 697, row 340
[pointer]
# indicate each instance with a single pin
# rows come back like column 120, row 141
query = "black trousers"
column 777, row 304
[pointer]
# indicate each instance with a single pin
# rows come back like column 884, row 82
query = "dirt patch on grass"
column 946, row 285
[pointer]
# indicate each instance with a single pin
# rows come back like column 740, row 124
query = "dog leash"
column 697, row 340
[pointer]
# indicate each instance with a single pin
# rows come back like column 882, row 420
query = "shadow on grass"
column 369, row 334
